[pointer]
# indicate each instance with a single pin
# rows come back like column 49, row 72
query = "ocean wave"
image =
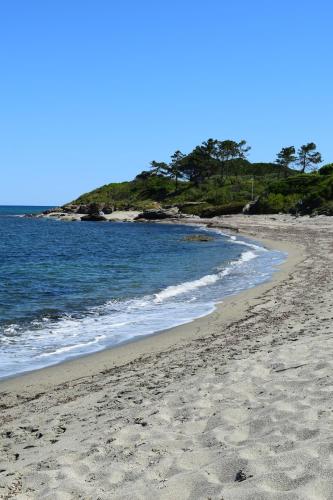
column 209, row 279
column 250, row 245
column 233, row 239
column 62, row 350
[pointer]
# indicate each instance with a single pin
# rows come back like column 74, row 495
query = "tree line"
column 307, row 157
column 213, row 158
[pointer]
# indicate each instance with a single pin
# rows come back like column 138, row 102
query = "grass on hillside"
column 302, row 193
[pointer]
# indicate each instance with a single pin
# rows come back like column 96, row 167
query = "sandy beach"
column 235, row 405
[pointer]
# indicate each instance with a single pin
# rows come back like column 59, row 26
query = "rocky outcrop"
column 160, row 213
column 52, row 210
column 250, row 207
column 88, row 208
column 93, row 217
column 70, row 208
column 95, row 213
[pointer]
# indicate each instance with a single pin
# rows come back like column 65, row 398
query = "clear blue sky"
column 92, row 91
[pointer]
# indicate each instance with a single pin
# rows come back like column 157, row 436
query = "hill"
column 147, row 191
column 217, row 179
column 302, row 193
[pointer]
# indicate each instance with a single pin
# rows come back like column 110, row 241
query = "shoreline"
column 228, row 309
column 244, row 391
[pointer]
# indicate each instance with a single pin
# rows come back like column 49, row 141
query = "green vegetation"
column 326, row 169
column 217, row 179
column 302, row 194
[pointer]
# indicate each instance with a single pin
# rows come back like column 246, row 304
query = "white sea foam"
column 68, row 348
column 172, row 291
column 234, row 239
column 246, row 256
column 237, row 241
column 209, row 279
column 250, row 245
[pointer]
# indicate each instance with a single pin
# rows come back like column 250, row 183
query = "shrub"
column 325, row 209
column 274, row 203
column 309, row 204
column 194, row 209
column 228, row 209
column 326, row 169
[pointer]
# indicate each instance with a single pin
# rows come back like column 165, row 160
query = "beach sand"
column 236, row 405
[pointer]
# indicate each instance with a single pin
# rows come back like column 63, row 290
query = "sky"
column 92, row 91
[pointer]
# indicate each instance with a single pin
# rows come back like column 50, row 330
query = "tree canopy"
column 308, row 157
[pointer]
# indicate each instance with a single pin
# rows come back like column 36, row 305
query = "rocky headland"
column 101, row 212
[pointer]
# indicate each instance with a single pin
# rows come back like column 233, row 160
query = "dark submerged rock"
column 198, row 237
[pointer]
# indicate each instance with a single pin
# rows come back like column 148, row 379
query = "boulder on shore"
column 88, row 208
column 72, row 209
column 93, row 217
column 250, row 207
column 52, row 210
column 160, row 213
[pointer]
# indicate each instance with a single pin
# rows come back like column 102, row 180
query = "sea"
column 72, row 288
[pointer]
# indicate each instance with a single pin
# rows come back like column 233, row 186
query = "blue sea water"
column 70, row 288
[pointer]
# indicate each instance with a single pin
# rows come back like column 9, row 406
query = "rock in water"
column 198, row 237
